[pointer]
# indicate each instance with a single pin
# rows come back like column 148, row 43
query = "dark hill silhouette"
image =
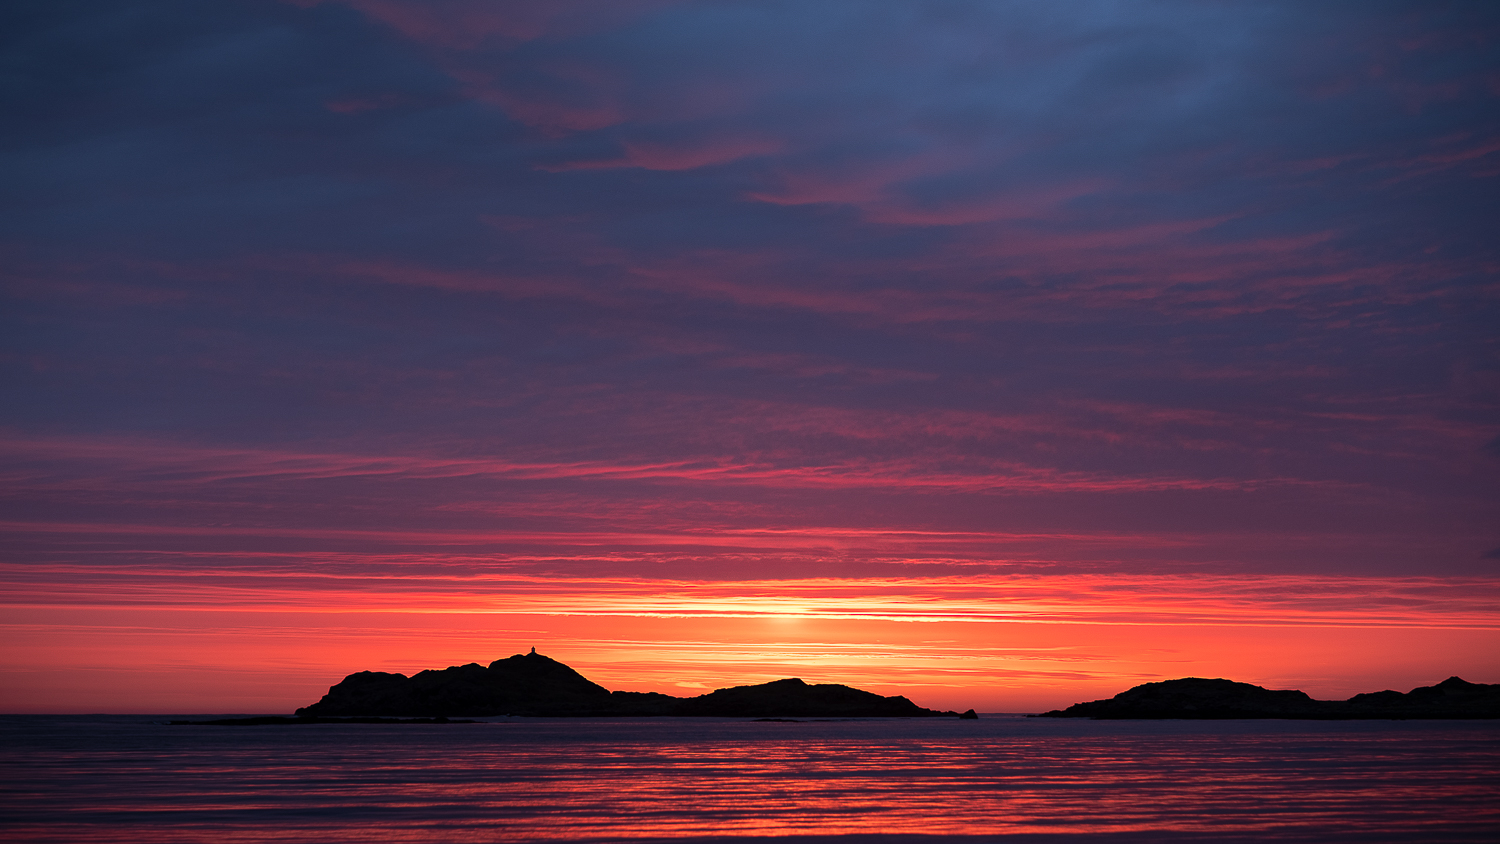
column 532, row 684
column 1452, row 698
column 517, row 685
column 1194, row 697
column 796, row 699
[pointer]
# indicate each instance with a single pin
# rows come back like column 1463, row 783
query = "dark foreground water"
column 126, row 779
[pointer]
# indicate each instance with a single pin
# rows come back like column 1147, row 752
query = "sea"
column 135, row 778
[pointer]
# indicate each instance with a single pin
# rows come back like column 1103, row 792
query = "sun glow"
column 252, row 642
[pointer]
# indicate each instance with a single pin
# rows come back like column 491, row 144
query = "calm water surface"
column 127, row 779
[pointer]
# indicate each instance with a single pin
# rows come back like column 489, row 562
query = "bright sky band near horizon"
column 999, row 354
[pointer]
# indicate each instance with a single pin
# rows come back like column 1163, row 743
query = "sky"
column 998, row 354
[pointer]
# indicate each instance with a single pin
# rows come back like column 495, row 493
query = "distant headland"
column 532, row 684
column 1197, row 698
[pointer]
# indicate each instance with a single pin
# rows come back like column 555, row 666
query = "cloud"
column 145, row 464
column 1297, row 601
column 677, row 155
column 907, row 279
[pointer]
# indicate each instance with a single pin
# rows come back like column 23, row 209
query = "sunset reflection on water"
column 117, row 779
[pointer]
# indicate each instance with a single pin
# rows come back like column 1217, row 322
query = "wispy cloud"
column 1197, row 601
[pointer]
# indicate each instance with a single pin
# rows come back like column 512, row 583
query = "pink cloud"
column 881, row 189
column 1176, row 268
column 684, row 155
column 1284, row 600
column 514, row 285
column 853, row 182
column 126, row 463
column 580, row 98
column 469, row 40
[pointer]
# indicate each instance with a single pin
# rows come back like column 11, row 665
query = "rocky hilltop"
column 1194, row 697
column 794, row 698
column 532, row 684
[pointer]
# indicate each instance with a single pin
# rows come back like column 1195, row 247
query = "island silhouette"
column 1198, row 698
column 533, row 684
